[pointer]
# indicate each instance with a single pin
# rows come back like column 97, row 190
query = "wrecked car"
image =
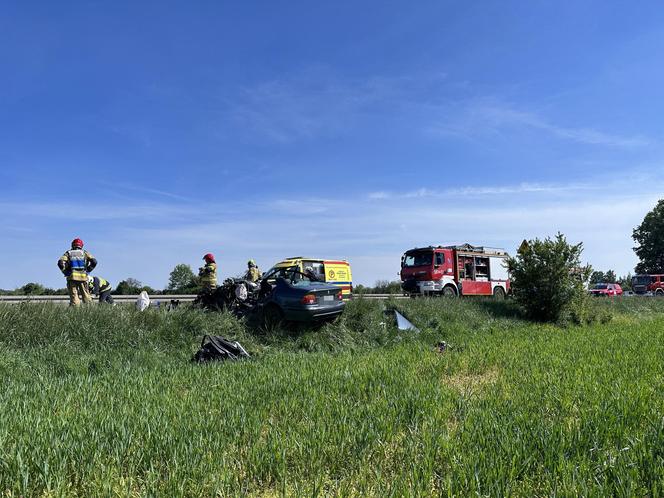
column 282, row 295
column 287, row 294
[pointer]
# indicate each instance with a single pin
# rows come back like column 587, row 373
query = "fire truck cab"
column 463, row 270
column 648, row 284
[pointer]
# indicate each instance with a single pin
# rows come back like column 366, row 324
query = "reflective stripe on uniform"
column 209, row 272
column 76, row 262
column 103, row 285
column 99, row 285
column 76, row 259
column 208, row 275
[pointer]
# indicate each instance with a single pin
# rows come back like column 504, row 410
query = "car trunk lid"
column 326, row 294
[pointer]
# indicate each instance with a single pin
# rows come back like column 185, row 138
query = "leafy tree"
column 132, row 282
column 32, row 288
column 548, row 279
column 56, row 292
column 626, row 282
column 128, row 287
column 387, row 287
column 610, row 277
column 361, row 289
column 597, row 277
column 381, row 287
column 649, row 236
column 182, row 280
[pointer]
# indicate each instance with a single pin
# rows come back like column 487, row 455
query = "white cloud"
column 299, row 109
column 521, row 188
column 370, row 230
column 481, row 116
column 77, row 212
column 314, row 103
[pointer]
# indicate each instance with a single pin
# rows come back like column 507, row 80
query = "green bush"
column 548, row 280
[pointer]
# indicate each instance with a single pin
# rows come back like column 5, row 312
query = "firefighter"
column 102, row 288
column 253, row 273
column 75, row 265
column 208, row 273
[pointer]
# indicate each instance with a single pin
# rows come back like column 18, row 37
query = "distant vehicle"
column 648, row 284
column 605, row 290
column 288, row 294
column 336, row 272
column 451, row 271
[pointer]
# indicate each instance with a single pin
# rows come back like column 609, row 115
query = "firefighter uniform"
column 75, row 265
column 253, row 274
column 208, row 276
column 102, row 288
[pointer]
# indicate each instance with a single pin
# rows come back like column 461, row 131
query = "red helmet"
column 77, row 243
column 209, row 258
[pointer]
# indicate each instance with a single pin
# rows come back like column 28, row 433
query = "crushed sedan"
column 287, row 294
column 282, row 295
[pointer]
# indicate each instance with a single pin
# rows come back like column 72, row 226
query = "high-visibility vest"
column 99, row 285
column 76, row 265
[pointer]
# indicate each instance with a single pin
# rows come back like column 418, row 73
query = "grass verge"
column 104, row 401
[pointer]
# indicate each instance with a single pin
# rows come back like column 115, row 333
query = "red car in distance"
column 604, row 290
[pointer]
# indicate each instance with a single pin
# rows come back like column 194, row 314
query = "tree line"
column 649, row 237
column 182, row 280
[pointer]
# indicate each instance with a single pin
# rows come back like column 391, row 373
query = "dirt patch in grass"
column 466, row 382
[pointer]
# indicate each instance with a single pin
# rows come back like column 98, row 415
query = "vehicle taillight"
column 309, row 299
column 340, row 295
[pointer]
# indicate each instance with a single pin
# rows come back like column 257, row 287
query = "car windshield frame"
column 419, row 258
column 291, row 274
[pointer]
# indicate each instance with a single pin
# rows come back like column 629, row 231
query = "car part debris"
column 216, row 348
column 143, row 301
column 401, row 321
column 236, row 295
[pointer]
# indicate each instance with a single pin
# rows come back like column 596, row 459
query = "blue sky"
column 159, row 131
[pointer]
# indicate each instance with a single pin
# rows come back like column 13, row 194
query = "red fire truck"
column 463, row 270
column 648, row 284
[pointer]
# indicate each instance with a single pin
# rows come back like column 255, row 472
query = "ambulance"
column 332, row 271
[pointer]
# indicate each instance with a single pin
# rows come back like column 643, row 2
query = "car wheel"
column 499, row 293
column 659, row 293
column 448, row 291
column 273, row 317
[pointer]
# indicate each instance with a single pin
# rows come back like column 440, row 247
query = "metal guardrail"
column 118, row 299
column 379, row 296
column 161, row 298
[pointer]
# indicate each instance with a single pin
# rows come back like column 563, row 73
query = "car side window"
column 440, row 258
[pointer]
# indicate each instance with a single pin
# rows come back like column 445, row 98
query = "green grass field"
column 104, row 401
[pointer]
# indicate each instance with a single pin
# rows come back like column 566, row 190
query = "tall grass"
column 103, row 401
